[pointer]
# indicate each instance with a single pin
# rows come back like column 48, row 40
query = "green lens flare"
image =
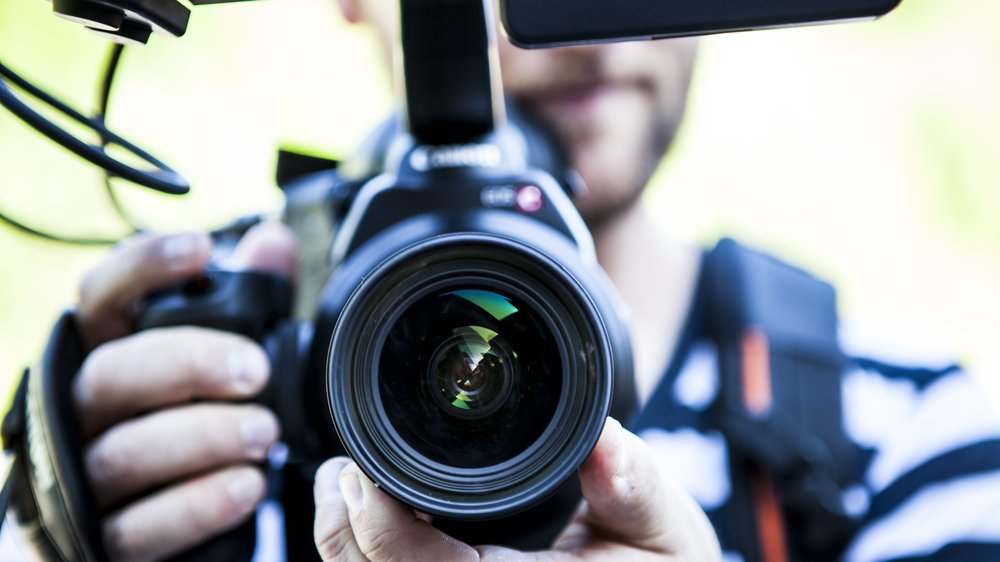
column 497, row 306
column 469, row 371
column 485, row 333
column 476, row 341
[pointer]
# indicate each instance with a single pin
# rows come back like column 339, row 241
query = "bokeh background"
column 867, row 153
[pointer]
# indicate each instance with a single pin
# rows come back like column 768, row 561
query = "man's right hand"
column 169, row 457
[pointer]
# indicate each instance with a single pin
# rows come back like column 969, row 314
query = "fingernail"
column 350, row 488
column 617, row 438
column 326, row 479
column 179, row 249
column 245, row 489
column 247, row 368
column 259, row 431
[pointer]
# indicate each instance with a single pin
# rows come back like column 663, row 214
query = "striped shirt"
column 929, row 487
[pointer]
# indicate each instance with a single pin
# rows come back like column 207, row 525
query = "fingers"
column 632, row 511
column 357, row 521
column 165, row 446
column 183, row 515
column 165, row 367
column 631, row 501
column 142, row 264
column 270, row 247
column 131, row 270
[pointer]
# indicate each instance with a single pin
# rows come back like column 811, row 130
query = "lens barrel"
column 470, row 375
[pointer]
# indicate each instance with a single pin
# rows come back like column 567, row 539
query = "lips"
column 573, row 98
column 577, row 95
column 578, row 100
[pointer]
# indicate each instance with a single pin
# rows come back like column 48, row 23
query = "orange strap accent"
column 757, row 397
column 758, row 400
column 770, row 521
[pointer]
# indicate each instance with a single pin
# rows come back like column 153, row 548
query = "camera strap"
column 10, row 461
column 46, row 487
column 48, row 492
column 779, row 405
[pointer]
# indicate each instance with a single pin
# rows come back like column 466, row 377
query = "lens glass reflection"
column 469, row 377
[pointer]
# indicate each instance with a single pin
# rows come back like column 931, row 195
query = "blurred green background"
column 864, row 152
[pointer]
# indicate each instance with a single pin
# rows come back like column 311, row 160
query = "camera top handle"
column 451, row 70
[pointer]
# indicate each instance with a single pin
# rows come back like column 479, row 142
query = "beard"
column 614, row 160
column 615, row 111
column 610, row 195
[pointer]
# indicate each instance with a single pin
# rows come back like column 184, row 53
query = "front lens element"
column 472, row 372
column 470, row 377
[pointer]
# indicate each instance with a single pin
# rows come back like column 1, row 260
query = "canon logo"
column 425, row 158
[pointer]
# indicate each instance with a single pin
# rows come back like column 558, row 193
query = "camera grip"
column 249, row 303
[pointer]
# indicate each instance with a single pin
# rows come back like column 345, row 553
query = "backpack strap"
column 779, row 405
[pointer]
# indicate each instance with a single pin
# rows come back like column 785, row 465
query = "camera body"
column 466, row 349
column 464, row 253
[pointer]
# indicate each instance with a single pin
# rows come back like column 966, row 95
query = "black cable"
column 76, row 241
column 160, row 178
column 40, row 94
column 108, row 78
column 97, row 123
column 104, row 98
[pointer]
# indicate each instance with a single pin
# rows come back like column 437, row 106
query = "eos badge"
column 424, row 158
column 525, row 198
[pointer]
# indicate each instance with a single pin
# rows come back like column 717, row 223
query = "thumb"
column 630, row 499
column 270, row 247
column 357, row 521
column 332, row 527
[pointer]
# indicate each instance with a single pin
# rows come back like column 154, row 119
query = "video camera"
column 466, row 349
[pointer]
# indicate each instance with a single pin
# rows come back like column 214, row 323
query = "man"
column 616, row 108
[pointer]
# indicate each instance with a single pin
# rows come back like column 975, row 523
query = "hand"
column 167, row 472
column 632, row 511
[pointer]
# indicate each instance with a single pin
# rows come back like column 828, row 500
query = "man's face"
column 616, row 107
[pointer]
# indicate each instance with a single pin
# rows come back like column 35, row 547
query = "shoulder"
column 932, row 484
column 928, row 485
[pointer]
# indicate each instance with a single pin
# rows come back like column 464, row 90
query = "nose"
column 580, row 52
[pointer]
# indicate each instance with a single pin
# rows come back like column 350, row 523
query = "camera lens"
column 470, row 377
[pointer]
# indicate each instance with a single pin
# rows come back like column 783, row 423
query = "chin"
column 615, row 169
column 603, row 202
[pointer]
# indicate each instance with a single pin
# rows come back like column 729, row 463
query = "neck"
column 655, row 276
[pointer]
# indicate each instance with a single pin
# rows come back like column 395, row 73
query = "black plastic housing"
column 544, row 23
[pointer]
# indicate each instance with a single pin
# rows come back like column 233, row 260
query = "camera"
column 467, row 348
